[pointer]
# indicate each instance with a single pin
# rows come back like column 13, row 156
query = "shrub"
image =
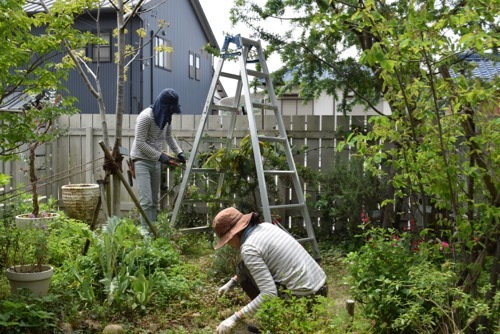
column 120, row 265
column 295, row 315
column 345, row 191
column 26, row 314
column 408, row 290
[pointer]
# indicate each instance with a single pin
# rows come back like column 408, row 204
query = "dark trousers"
column 248, row 285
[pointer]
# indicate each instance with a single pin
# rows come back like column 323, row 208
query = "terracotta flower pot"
column 80, row 200
column 26, row 277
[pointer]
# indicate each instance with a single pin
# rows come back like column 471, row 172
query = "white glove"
column 226, row 327
column 226, row 287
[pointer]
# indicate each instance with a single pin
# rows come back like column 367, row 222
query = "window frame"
column 96, row 50
column 162, row 59
column 191, row 61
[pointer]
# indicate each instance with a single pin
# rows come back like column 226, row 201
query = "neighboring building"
column 188, row 69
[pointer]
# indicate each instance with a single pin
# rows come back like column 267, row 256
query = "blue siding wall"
column 186, row 34
column 144, row 80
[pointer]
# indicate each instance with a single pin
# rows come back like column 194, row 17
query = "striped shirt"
column 273, row 256
column 149, row 139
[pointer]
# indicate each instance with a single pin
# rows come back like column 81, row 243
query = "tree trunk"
column 33, row 179
column 120, row 85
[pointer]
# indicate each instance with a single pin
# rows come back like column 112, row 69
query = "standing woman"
column 152, row 129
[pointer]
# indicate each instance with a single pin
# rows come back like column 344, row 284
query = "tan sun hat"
column 228, row 223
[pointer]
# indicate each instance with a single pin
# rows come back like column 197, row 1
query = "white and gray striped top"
column 272, row 255
column 149, row 139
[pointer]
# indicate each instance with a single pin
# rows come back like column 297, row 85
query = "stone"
column 113, row 329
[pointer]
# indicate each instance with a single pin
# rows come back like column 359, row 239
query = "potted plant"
column 40, row 115
column 25, row 255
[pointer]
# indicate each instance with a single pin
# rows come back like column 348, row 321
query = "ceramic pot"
column 80, row 200
column 26, row 220
column 26, row 277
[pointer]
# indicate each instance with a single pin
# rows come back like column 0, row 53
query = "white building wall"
column 324, row 105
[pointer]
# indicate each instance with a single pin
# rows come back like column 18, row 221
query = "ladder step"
column 230, row 75
column 205, row 170
column 272, row 139
column 303, row 240
column 279, row 172
column 257, row 74
column 223, row 107
column 287, row 206
column 215, row 140
column 195, row 229
column 265, row 106
column 204, row 202
column 246, row 41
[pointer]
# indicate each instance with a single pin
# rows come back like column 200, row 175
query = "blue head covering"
column 166, row 104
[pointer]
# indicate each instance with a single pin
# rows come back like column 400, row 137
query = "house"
column 188, row 68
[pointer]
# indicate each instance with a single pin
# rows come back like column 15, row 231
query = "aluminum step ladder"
column 247, row 52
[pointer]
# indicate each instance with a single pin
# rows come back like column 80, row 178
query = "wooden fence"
column 78, row 158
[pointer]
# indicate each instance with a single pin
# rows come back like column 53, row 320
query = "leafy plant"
column 122, row 265
column 298, row 315
column 24, row 247
column 41, row 114
column 346, row 190
column 240, row 187
column 408, row 290
column 26, row 315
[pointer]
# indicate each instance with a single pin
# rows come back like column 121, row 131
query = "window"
column 194, row 66
column 163, row 53
column 197, row 70
column 191, row 65
column 102, row 52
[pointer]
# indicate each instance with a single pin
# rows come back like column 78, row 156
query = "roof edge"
column 204, row 23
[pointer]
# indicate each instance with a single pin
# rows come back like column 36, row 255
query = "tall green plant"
column 121, row 264
column 346, row 190
column 240, row 186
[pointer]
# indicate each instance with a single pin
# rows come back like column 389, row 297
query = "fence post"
column 349, row 305
column 89, row 153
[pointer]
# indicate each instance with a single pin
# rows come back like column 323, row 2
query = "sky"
column 218, row 17
column 217, row 13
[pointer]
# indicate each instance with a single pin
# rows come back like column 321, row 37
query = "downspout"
column 152, row 65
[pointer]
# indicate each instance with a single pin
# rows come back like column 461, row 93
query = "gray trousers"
column 148, row 178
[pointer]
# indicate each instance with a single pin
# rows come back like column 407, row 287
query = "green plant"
column 41, row 114
column 224, row 263
column 26, row 315
column 298, row 315
column 407, row 290
column 345, row 190
column 65, row 240
column 240, row 187
column 123, row 268
column 22, row 247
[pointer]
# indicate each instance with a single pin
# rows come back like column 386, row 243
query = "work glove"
column 182, row 157
column 226, row 287
column 166, row 160
column 227, row 325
